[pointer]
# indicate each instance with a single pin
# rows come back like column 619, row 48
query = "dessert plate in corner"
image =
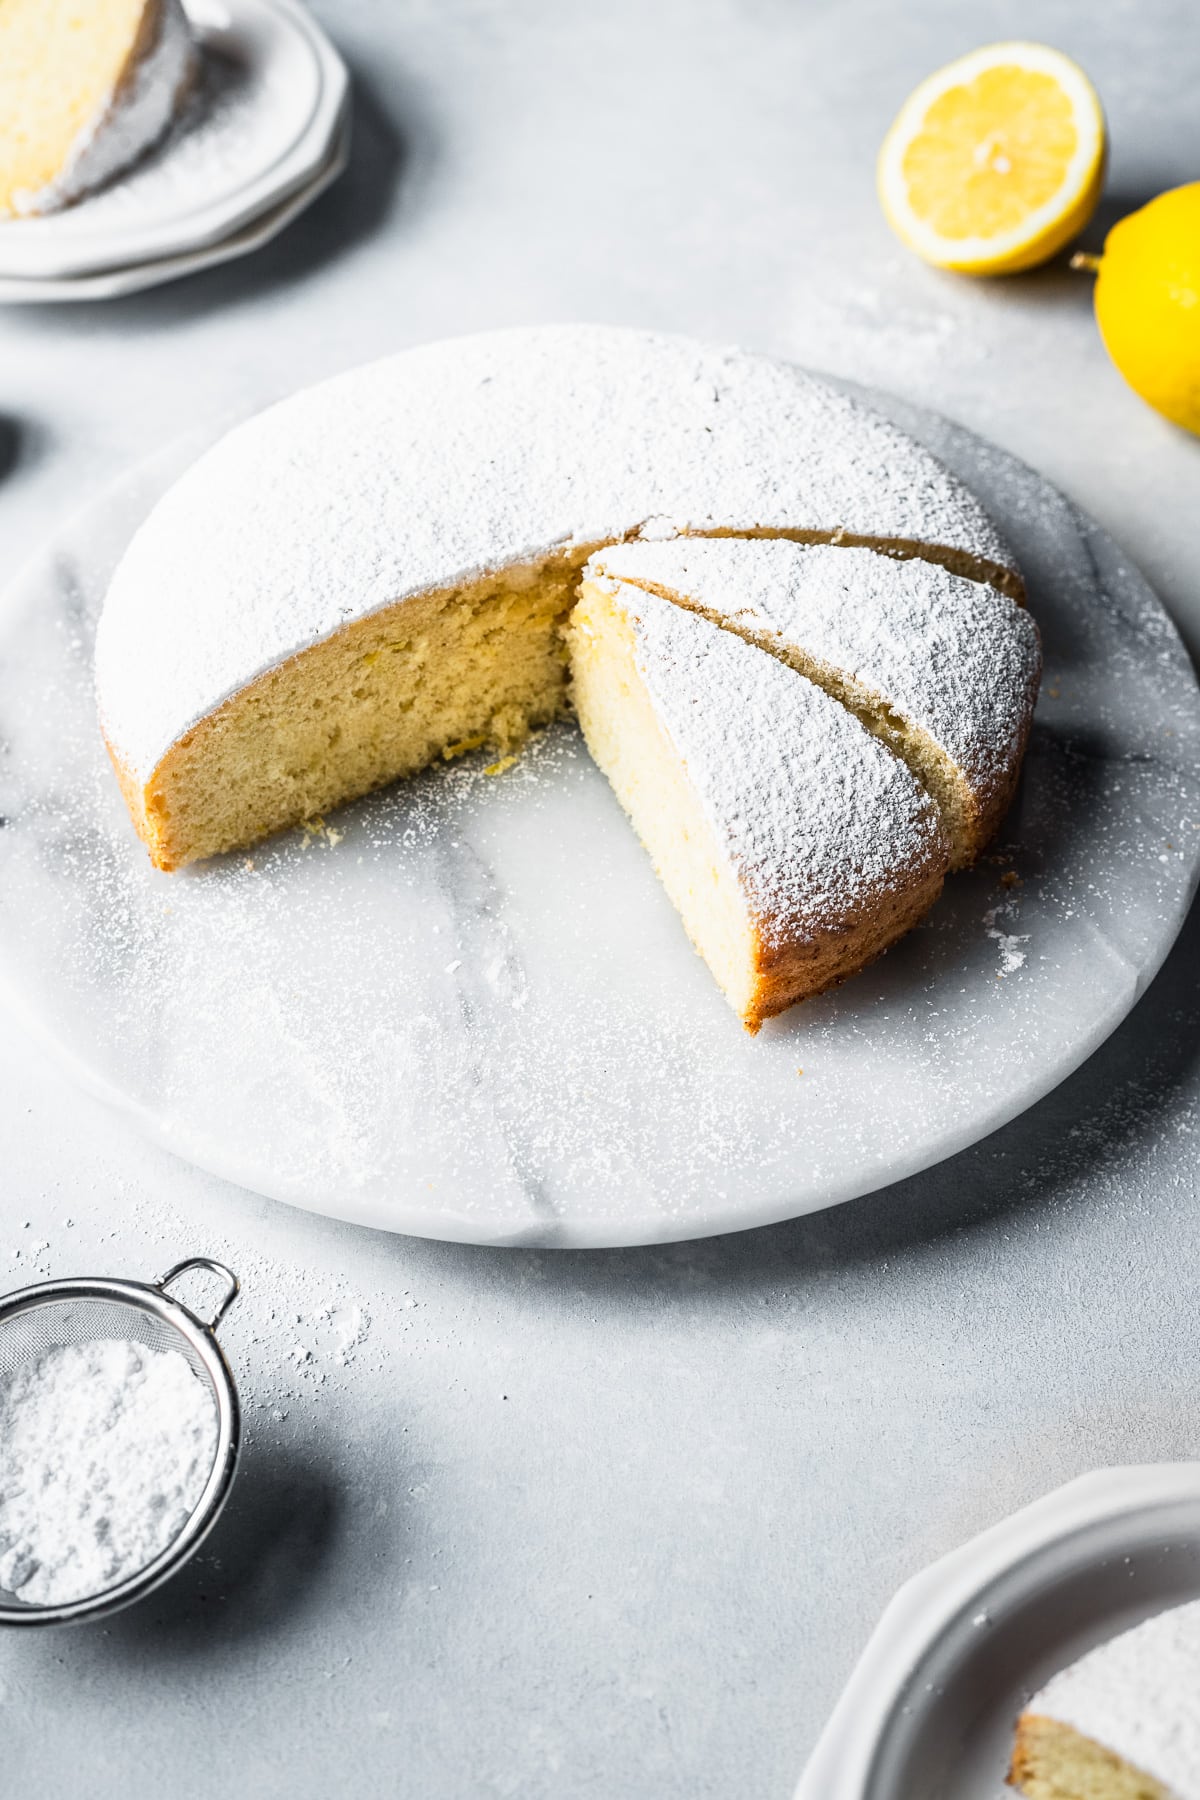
column 110, row 284
column 930, row 1710
column 261, row 124
column 465, row 1007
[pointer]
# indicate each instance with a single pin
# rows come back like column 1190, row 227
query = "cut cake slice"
column 942, row 669
column 85, row 87
column 1122, row 1723
column 794, row 845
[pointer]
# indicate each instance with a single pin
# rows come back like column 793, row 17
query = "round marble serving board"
column 466, row 1009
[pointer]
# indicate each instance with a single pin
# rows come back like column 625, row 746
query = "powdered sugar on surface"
column 818, row 818
column 475, row 1014
column 958, row 659
column 1009, row 943
column 439, row 464
column 105, row 1449
column 1137, row 1695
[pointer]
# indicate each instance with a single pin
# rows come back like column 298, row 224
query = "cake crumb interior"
column 1053, row 1762
column 472, row 666
column 47, row 100
column 477, row 665
column 651, row 782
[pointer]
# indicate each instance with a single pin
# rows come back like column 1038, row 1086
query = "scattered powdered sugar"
column 296, row 1023
column 442, row 463
column 295, row 1332
column 216, row 141
column 1136, row 1695
column 105, row 1448
column 1012, row 957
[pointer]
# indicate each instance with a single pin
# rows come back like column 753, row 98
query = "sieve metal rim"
column 150, row 1297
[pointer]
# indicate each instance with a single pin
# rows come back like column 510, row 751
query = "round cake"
column 378, row 573
column 1122, row 1723
column 85, row 87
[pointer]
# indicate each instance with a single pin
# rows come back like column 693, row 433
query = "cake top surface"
column 818, row 819
column 1139, row 1696
column 443, row 463
column 951, row 655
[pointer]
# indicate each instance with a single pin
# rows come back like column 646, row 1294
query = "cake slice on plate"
column 942, row 669
column 85, row 87
column 795, row 846
column 1122, row 1723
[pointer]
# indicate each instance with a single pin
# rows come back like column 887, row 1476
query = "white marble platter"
column 467, row 1009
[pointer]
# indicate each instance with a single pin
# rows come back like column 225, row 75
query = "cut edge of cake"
column 467, row 667
column 323, row 727
column 1053, row 1761
column 973, row 794
column 109, row 113
column 727, row 807
column 1004, row 577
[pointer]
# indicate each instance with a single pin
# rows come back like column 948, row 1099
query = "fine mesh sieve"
column 37, row 1319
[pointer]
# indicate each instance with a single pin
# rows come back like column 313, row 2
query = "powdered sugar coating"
column 818, row 819
column 105, row 1448
column 130, row 119
column 957, row 659
column 1139, row 1696
column 442, row 463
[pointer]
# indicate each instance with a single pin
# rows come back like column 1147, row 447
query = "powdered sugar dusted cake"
column 1123, row 1723
column 793, row 844
column 84, row 90
column 377, row 573
column 452, row 471
column 941, row 668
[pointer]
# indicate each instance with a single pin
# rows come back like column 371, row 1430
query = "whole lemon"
column 1148, row 302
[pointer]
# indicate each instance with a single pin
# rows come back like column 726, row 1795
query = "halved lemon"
column 996, row 161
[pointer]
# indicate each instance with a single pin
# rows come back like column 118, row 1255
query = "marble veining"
column 464, row 1007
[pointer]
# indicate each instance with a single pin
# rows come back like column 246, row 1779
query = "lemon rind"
column 1043, row 231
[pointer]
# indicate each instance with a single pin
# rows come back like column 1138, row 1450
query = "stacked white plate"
column 930, row 1711
column 266, row 132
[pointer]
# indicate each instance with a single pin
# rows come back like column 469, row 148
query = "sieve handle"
column 215, row 1268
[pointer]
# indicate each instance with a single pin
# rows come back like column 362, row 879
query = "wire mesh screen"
column 80, row 1319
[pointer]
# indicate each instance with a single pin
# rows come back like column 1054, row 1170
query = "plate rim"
column 449, row 1222
column 845, row 1760
column 254, row 234
column 56, row 255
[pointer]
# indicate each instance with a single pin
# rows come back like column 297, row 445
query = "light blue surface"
column 648, row 1569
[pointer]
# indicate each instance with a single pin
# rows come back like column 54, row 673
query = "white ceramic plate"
column 475, row 1015
column 929, row 1712
column 112, row 283
column 268, row 109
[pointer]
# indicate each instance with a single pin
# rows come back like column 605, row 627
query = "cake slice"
column 794, row 845
column 942, row 669
column 85, row 87
column 1122, row 1723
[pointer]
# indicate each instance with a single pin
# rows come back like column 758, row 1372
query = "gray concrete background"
column 617, row 1524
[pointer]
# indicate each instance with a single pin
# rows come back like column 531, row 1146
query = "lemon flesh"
column 996, row 161
column 1148, row 303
